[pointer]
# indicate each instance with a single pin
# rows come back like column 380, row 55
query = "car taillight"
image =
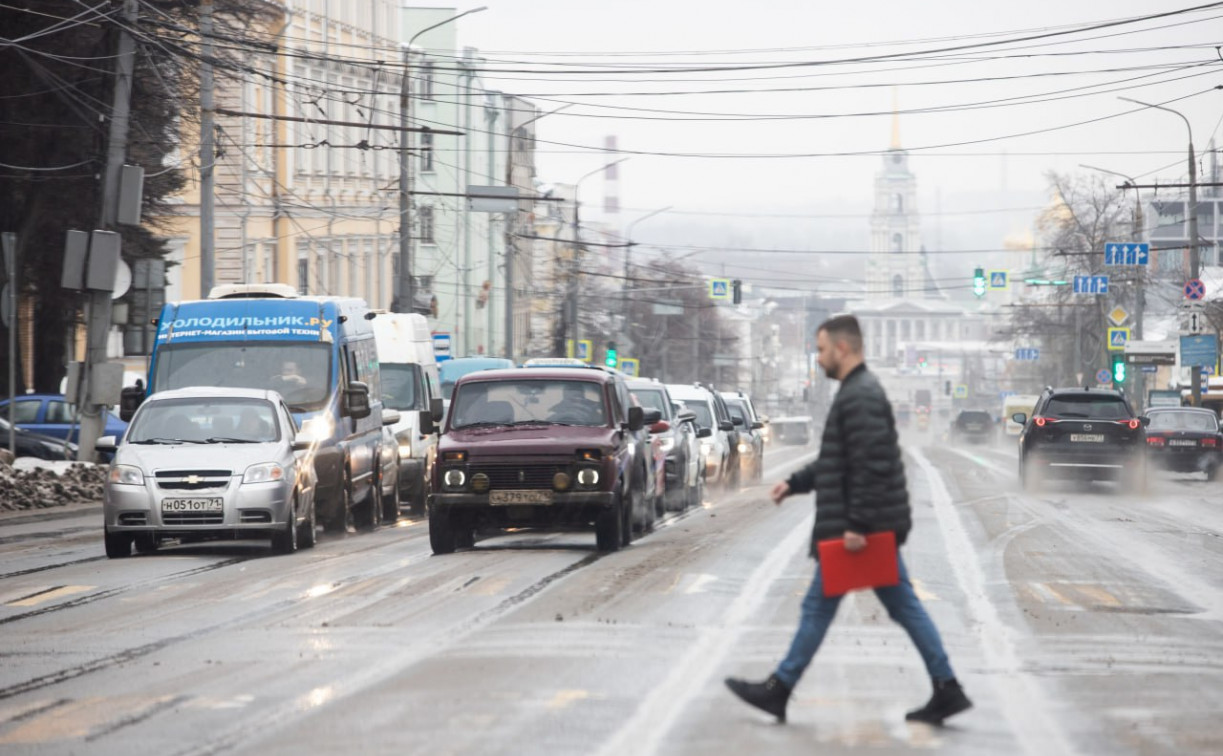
column 1155, row 441
column 1040, row 422
column 1211, row 442
column 1133, row 424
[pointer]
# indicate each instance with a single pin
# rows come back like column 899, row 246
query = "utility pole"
column 406, row 295
column 97, row 318
column 208, row 153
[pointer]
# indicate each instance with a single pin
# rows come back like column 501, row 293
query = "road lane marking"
column 1034, row 727
column 564, row 698
column 698, row 582
column 922, row 592
column 50, row 594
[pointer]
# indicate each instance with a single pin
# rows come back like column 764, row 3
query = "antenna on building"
column 895, row 118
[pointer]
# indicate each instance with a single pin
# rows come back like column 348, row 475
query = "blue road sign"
column 719, row 288
column 1118, row 338
column 1195, row 289
column 999, row 279
column 1091, row 284
column 1200, row 350
column 1103, row 376
column 1127, row 254
column 441, row 343
column 1149, row 368
column 1027, row 354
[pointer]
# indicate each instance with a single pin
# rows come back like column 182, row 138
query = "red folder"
column 873, row 567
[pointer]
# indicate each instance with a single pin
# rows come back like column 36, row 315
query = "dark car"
column 1185, row 439
column 30, row 444
column 1085, row 434
column 541, row 447
column 53, row 415
column 676, row 434
column 972, row 426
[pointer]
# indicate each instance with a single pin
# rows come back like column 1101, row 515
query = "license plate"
column 1094, row 438
column 509, row 498
column 1182, row 442
column 193, row 505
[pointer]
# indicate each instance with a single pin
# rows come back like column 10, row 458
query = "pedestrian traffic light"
column 609, row 357
column 736, row 291
column 1118, row 368
column 978, row 281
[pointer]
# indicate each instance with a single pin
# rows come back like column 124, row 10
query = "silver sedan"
column 202, row 463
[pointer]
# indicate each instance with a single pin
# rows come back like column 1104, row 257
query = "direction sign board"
column 961, row 391
column 1027, row 354
column 1118, row 315
column 1118, row 338
column 1091, row 284
column 719, row 288
column 1195, row 289
column 1200, row 350
column 441, row 343
column 999, row 279
column 1127, row 254
column 1103, row 376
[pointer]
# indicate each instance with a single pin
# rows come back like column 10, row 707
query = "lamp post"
column 571, row 299
column 628, row 260
column 406, row 294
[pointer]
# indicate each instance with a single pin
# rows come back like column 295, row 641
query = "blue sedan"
column 52, row 415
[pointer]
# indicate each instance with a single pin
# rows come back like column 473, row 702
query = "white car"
column 720, row 447
column 204, row 462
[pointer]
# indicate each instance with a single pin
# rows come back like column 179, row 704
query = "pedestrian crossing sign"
column 1118, row 338
column 999, row 279
column 719, row 288
column 961, row 391
column 630, row 365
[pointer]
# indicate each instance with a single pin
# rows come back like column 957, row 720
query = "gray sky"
column 534, row 34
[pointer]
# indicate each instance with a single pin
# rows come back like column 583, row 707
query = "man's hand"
column 854, row 542
column 779, row 492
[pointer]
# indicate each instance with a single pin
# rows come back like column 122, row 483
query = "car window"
column 1183, row 421
column 653, row 399
column 736, row 412
column 704, row 416
column 525, row 401
column 1088, row 407
column 975, row 417
column 59, row 412
column 26, row 411
column 204, row 421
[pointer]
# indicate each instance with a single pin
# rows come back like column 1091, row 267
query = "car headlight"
column 667, row 444
column 454, row 478
column 743, row 448
column 405, row 448
column 268, row 472
column 126, row 475
column 318, row 428
column 588, row 477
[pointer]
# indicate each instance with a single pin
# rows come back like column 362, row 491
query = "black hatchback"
column 1185, row 439
column 1085, row 434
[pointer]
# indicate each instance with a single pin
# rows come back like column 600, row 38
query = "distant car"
column 1185, row 439
column 972, row 426
column 52, row 415
column 450, row 371
column 795, row 430
column 751, row 435
column 678, row 439
column 720, row 448
column 205, row 463
column 1088, row 434
column 29, row 444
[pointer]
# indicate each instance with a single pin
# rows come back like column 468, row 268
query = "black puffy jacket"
column 859, row 478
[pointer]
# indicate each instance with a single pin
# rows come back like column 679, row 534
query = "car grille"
column 518, row 476
column 192, row 518
column 192, row 480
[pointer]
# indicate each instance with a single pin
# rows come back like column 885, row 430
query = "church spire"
column 895, row 119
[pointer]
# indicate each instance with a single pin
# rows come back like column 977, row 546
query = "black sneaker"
column 947, row 701
column 769, row 696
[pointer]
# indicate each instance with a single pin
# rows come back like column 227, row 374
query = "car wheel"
column 417, row 497
column 118, row 545
column 285, row 541
column 643, row 511
column 309, row 529
column 372, row 515
column 697, row 492
column 342, row 519
column 441, row 531
column 464, row 535
column 608, row 527
column 390, row 505
column 146, row 543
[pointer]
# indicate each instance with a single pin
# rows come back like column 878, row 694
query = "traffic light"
column 736, row 291
column 978, row 281
column 946, row 388
column 609, row 357
column 1118, row 368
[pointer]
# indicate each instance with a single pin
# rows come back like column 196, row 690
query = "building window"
column 898, row 203
column 898, row 243
column 425, row 218
column 426, row 80
column 303, row 275
column 898, row 288
column 426, row 151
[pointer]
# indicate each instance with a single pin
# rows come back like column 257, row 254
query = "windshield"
column 704, row 417
column 1183, row 421
column 526, row 402
column 1089, row 407
column 300, row 372
column 737, row 412
column 652, row 399
column 400, row 386
column 200, row 421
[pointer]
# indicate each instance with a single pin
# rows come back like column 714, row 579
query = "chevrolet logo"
column 193, row 479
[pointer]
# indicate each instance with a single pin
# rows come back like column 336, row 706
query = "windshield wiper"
column 228, row 440
column 171, row 441
column 482, row 424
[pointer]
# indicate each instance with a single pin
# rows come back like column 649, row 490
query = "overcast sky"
column 1067, row 71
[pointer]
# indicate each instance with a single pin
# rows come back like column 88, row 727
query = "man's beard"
column 831, row 371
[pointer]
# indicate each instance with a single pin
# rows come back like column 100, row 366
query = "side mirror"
column 704, row 432
column 437, row 408
column 1019, row 418
column 390, row 416
column 130, row 400
column 757, row 425
column 726, row 425
column 662, row 426
column 427, row 426
column 652, row 416
column 737, row 421
column 302, row 443
column 105, row 444
column 356, row 400
column 636, row 419
column 686, row 416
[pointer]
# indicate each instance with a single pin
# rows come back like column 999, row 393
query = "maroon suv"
column 540, row 447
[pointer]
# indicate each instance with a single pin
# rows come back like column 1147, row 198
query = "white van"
column 409, row 384
column 1024, row 403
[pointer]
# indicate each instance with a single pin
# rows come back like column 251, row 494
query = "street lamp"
column 628, row 260
column 572, row 297
column 405, row 176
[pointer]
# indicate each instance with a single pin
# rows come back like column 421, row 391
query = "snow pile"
column 42, row 485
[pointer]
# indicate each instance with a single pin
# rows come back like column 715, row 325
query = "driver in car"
column 576, row 407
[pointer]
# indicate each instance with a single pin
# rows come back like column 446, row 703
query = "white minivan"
column 409, row 384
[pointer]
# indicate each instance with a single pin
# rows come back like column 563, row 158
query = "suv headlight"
column 268, row 472
column 667, row 444
column 454, row 478
column 405, row 445
column 126, row 475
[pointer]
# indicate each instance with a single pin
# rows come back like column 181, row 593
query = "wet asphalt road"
column 1081, row 620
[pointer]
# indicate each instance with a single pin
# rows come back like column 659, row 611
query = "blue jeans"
column 903, row 607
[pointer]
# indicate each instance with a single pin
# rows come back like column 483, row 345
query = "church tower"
column 895, row 267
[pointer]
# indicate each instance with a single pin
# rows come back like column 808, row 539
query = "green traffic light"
column 1118, row 369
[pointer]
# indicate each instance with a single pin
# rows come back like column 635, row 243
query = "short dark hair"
column 843, row 328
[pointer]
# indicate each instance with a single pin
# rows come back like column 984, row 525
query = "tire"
column 441, row 531
column 464, row 535
column 342, row 520
column 643, row 522
column 146, row 543
column 285, row 541
column 309, row 529
column 372, row 516
column 698, row 492
column 118, row 545
column 608, row 527
column 418, row 496
column 390, row 505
